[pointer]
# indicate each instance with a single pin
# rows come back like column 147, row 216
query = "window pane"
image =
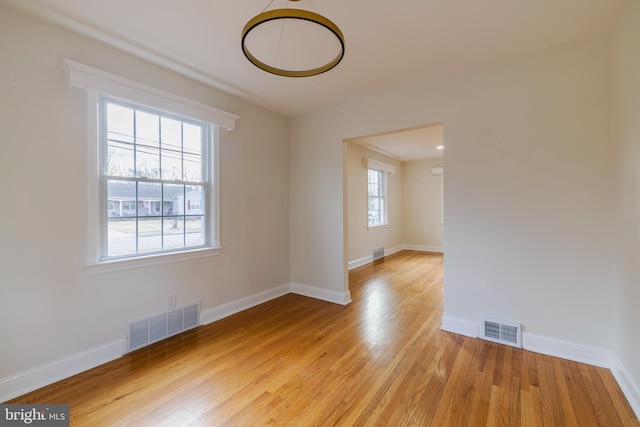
column 171, row 134
column 121, row 211
column 374, row 190
column 121, row 197
column 149, row 199
column 121, row 236
column 173, row 232
column 147, row 162
column 173, row 199
column 116, row 137
column 119, row 159
column 149, row 234
column 194, row 229
column 376, row 218
column 192, row 167
column 194, row 203
column 373, row 176
column 192, row 138
column 171, row 165
column 147, row 129
column 120, row 122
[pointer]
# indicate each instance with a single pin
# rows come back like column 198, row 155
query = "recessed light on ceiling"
column 440, row 147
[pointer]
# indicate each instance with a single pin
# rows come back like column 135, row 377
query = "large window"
column 377, row 197
column 152, row 175
column 155, row 182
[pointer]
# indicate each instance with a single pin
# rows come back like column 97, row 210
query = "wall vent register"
column 503, row 332
column 160, row 326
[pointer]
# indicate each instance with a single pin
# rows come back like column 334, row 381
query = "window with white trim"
column 376, row 184
column 153, row 162
column 158, row 166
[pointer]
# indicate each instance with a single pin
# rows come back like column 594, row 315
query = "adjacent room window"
column 155, row 181
column 377, row 197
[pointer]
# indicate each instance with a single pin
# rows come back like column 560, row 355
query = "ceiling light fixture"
column 440, row 147
column 292, row 42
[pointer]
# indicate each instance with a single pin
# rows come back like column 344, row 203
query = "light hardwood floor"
column 381, row 360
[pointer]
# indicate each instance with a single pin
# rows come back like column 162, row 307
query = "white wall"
column 626, row 135
column 527, row 207
column 362, row 240
column 50, row 308
column 422, row 205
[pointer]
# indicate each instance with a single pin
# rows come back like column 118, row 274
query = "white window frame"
column 385, row 169
column 383, row 196
column 134, row 207
column 96, row 83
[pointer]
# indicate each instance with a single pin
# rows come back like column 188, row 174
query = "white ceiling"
column 407, row 145
column 387, row 42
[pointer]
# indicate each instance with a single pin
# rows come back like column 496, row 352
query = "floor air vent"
column 160, row 326
column 378, row 253
column 503, row 332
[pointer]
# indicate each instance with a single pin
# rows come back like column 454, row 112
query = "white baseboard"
column 576, row 352
column 24, row 382
column 629, row 388
column 590, row 355
column 393, row 250
column 366, row 260
column 596, row 356
column 421, row 248
column 342, row 298
column 360, row 262
column 459, row 326
column 220, row 312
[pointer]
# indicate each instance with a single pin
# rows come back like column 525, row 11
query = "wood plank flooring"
column 380, row 361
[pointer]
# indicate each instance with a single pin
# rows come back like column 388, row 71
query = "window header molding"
column 374, row 164
column 88, row 78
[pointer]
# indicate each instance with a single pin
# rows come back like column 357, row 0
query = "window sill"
column 145, row 261
column 373, row 227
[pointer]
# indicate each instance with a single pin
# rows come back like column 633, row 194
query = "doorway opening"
column 402, row 208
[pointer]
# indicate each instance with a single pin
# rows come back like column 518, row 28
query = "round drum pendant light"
column 301, row 16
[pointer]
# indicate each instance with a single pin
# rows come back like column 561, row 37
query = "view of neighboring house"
column 152, row 200
column 188, row 204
